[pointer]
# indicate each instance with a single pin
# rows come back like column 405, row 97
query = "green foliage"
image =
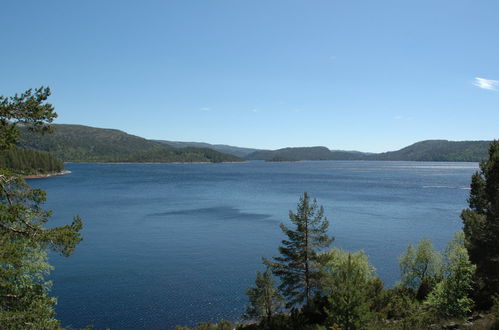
column 76, row 143
column 24, row 240
column 304, row 153
column 398, row 303
column 28, row 108
column 335, row 262
column 417, row 318
column 420, row 267
column 26, row 161
column 223, row 148
column 451, row 297
column 222, row 325
column 24, row 300
column 30, row 111
column 481, row 227
column 276, row 322
column 264, row 300
column 298, row 267
column 348, row 279
column 438, row 150
column 346, row 295
column 375, row 295
column 430, row 150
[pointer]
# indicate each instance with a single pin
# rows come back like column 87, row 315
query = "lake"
column 176, row 244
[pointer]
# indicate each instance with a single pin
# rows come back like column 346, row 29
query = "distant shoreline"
column 146, row 163
column 47, row 175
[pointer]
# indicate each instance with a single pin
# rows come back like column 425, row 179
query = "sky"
column 353, row 75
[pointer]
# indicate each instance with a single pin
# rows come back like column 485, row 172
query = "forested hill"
column 224, row 148
column 77, row 143
column 429, row 150
column 304, row 153
column 439, row 150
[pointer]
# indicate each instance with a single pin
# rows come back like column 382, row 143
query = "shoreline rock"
column 46, row 175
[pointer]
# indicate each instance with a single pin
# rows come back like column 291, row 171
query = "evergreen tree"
column 481, row 227
column 24, row 240
column 30, row 109
column 298, row 267
column 27, row 161
column 420, row 268
column 264, row 298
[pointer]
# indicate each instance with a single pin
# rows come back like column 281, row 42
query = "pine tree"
column 264, row 297
column 29, row 108
column 28, row 161
column 24, row 240
column 298, row 267
column 481, row 227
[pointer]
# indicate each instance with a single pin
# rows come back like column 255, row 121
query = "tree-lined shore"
column 25, row 238
column 309, row 286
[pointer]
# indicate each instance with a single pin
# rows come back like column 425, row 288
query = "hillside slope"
column 223, row 148
column 429, row 150
column 438, row 150
column 303, row 153
column 78, row 143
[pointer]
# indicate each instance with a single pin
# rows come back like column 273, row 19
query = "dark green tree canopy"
column 349, row 276
column 28, row 108
column 264, row 300
column 481, row 227
column 298, row 267
column 24, row 239
column 25, row 161
column 451, row 297
column 420, row 267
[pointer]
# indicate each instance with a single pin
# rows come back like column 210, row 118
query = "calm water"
column 168, row 244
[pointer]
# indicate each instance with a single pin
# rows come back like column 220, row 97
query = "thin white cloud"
column 492, row 85
column 205, row 109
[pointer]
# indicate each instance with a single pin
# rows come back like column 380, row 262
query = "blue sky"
column 356, row 75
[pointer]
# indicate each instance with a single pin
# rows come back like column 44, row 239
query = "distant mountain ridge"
column 439, row 150
column 223, row 148
column 78, row 143
column 304, row 153
column 429, row 150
